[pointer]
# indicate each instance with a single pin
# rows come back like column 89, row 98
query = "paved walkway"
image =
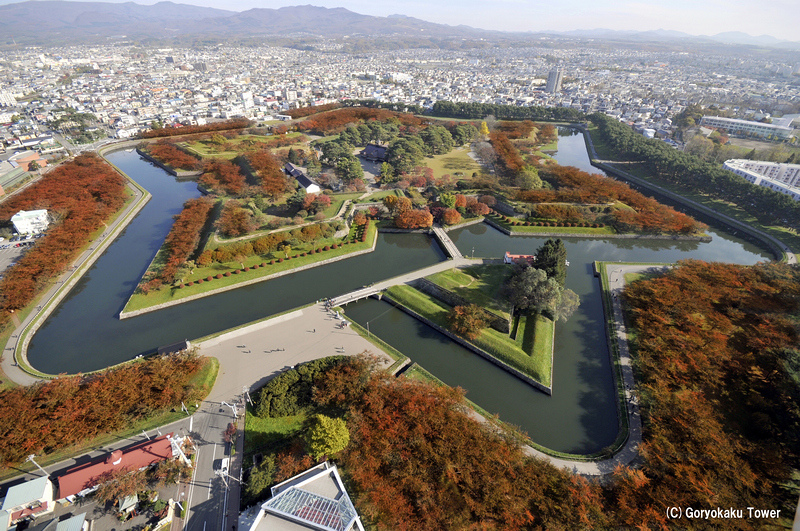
column 446, row 243
column 630, row 450
column 61, row 287
column 408, row 277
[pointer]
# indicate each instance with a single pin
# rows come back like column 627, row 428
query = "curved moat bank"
column 83, row 334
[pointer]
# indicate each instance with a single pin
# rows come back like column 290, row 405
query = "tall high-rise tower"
column 554, row 80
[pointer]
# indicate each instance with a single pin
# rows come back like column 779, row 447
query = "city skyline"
column 779, row 19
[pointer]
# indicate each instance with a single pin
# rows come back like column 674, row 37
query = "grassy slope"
column 478, row 284
column 491, row 341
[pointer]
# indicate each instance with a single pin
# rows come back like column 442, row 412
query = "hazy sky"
column 779, row 18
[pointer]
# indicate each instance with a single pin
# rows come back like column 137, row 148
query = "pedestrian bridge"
column 353, row 296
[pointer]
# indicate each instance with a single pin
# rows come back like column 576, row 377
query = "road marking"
column 191, row 487
column 213, row 456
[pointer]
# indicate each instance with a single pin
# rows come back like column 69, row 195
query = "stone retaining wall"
column 519, row 374
column 181, row 174
column 675, row 237
column 434, row 290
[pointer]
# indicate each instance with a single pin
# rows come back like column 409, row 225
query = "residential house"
column 32, row 498
column 304, row 180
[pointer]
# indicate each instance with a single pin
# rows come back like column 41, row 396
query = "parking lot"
column 11, row 251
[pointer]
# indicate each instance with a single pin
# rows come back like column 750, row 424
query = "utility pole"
column 30, row 458
column 233, row 409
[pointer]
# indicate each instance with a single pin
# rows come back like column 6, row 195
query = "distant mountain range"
column 62, row 22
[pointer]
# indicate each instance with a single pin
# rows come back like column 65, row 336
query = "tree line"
column 689, row 173
column 80, row 195
column 477, row 111
column 226, row 125
column 72, row 409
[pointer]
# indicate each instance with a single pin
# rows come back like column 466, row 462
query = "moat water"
column 84, row 333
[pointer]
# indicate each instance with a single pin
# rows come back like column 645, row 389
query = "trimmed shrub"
column 272, row 262
column 181, row 286
column 227, row 273
column 289, row 393
column 280, row 260
column 255, row 266
column 200, row 281
column 246, row 269
column 235, row 271
column 209, row 278
column 263, row 264
column 326, row 248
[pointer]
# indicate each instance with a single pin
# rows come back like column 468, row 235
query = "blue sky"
column 778, row 18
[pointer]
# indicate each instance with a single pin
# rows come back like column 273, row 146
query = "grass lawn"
column 378, row 196
column 498, row 345
column 260, row 434
column 337, row 200
column 457, row 161
column 547, row 230
column 479, row 284
column 550, row 146
column 206, row 148
column 140, row 301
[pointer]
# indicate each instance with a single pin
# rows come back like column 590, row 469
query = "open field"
column 457, row 161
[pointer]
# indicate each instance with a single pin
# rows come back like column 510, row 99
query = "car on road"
column 223, row 465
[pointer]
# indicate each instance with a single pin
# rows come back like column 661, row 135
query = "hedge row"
column 518, row 223
column 263, row 264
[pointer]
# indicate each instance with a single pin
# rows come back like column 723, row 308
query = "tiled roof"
column 133, row 457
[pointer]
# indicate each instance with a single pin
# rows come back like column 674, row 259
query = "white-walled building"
column 775, row 131
column 31, row 221
column 315, row 499
column 783, row 178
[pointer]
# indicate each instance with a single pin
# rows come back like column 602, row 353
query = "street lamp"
column 30, row 458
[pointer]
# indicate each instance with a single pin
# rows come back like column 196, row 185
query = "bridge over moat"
column 377, row 287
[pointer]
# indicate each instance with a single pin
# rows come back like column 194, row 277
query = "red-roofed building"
column 139, row 455
column 509, row 258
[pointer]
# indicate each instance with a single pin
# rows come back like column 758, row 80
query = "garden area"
column 249, row 261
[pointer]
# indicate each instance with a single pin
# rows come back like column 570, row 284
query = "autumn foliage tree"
column 81, row 194
column 571, row 185
column 222, row 176
column 467, row 321
column 414, row 219
column 168, row 153
column 72, row 409
column 184, row 236
column 272, row 179
column 234, row 220
column 717, row 362
column 419, row 461
column 226, row 125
